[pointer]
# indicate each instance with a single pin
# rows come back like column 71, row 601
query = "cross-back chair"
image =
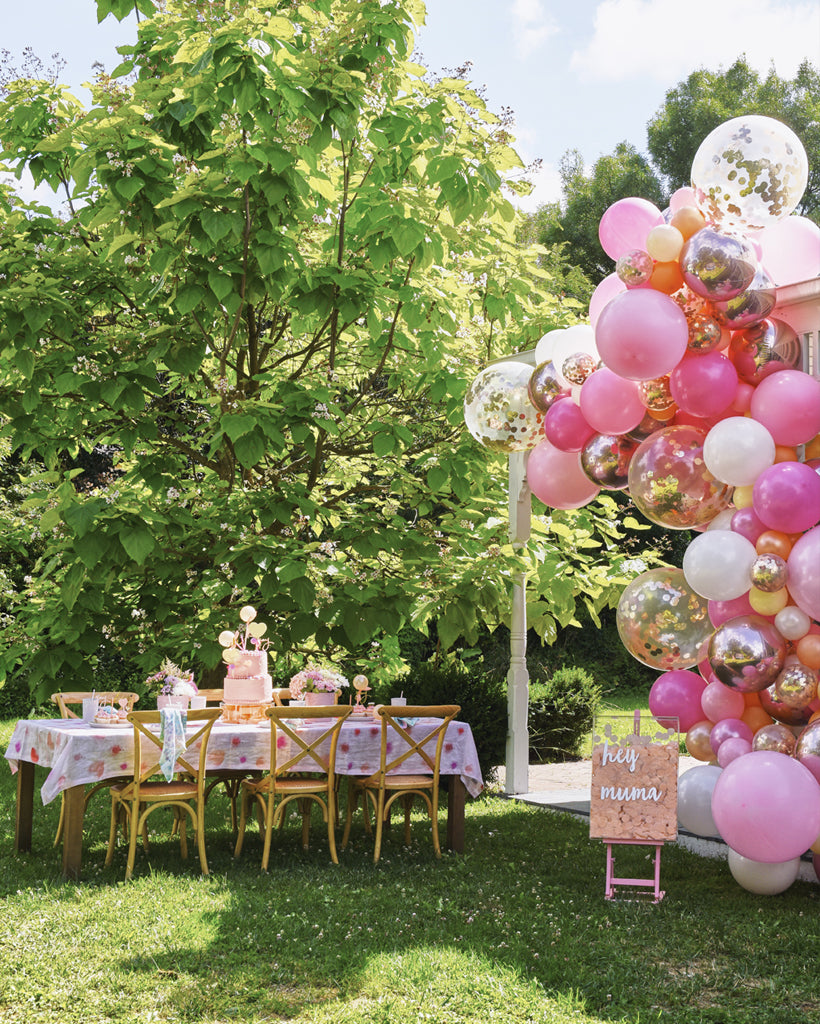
column 302, row 768
column 66, row 701
column 417, row 732
column 143, row 793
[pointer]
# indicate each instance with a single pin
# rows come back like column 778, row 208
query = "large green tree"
column 690, row 110
column 284, row 255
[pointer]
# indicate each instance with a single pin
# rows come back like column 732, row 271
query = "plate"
column 109, row 725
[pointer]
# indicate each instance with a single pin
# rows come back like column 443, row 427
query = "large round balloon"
column 498, row 411
column 677, row 694
column 786, row 497
column 747, row 653
column 695, row 788
column 766, row 806
column 764, row 348
column 557, row 479
column 670, row 483
column 761, row 878
column 791, row 250
column 804, row 573
column 788, row 405
column 611, row 404
column 703, row 385
column 749, row 172
column 750, row 306
column 605, row 459
column 641, row 334
column 566, row 427
column 716, row 266
column 661, row 621
column 737, row 450
column 716, row 564
column 625, row 225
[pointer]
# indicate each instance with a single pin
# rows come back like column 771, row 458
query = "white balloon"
column 792, row 622
column 580, row 338
column 695, row 788
column 544, row 347
column 717, row 563
column 723, row 520
column 763, row 879
column 737, row 450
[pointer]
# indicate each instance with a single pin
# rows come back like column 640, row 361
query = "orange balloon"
column 808, row 650
column 688, row 220
column 697, row 741
column 815, row 717
column 756, row 718
column 662, row 415
column 742, row 496
column 666, row 277
column 772, row 542
column 813, row 448
column 782, row 453
column 752, row 700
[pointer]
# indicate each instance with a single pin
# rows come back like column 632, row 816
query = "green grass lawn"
column 516, row 930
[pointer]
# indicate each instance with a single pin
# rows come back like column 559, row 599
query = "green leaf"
column 24, row 361
column 236, row 425
column 91, row 548
column 357, row 623
column 250, row 449
column 137, row 541
column 72, row 585
column 383, row 444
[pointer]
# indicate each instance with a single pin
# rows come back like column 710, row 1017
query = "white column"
column 520, row 508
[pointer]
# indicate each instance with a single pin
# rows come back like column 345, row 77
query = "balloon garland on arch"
column 685, row 388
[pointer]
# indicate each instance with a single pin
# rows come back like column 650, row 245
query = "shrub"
column 561, row 710
column 481, row 696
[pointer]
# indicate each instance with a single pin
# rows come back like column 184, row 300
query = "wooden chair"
column 385, row 786
column 306, row 776
column 142, row 794
column 214, row 696
column 66, row 701
column 280, row 693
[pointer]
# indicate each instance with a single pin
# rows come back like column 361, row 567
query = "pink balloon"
column 704, row 385
column 556, row 477
column 766, row 806
column 804, row 573
column 683, row 197
column 790, row 250
column 626, row 224
column 678, row 694
column 731, row 749
column 747, row 523
column 786, row 497
column 743, row 397
column 565, row 426
column 722, row 611
column 720, row 702
column 787, row 403
column 729, row 729
column 611, row 404
column 641, row 334
column 606, row 290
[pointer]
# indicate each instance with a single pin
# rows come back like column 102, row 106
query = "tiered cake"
column 247, row 681
column 248, row 688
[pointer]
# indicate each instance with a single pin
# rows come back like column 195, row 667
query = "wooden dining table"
column 76, row 754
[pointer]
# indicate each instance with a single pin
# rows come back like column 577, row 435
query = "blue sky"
column 579, row 74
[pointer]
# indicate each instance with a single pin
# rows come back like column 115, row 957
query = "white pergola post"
column 518, row 678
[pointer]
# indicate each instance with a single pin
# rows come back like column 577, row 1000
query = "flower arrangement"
column 316, row 680
column 172, row 681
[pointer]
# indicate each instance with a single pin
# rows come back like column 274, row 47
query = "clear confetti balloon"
column 670, row 484
column 749, row 172
column 634, row 267
column 705, row 333
column 764, row 348
column 661, row 621
column 716, row 266
column 777, row 737
column 544, row 387
column 796, row 686
column 747, row 653
column 656, row 394
column 605, row 459
column 498, row 411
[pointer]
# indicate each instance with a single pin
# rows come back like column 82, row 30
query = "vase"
column 319, row 699
column 172, row 700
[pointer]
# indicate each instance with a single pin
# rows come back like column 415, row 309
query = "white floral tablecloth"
column 77, row 753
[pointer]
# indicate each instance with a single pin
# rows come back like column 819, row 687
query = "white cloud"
column 531, row 26
column 661, row 40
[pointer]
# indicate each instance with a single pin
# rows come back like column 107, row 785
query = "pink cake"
column 247, row 681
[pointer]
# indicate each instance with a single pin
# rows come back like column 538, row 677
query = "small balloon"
column 777, row 737
column 761, row 878
column 753, row 304
column 247, row 613
column 695, row 788
column 705, row 333
column 737, row 450
column 544, row 387
column 634, row 268
column 780, row 711
column 769, row 573
column 656, row 394
column 664, row 242
column 605, row 459
column 792, row 622
column 796, row 686
column 226, row 638
column 697, row 741
column 717, row 565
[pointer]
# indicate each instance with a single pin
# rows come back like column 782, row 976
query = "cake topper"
column 234, row 642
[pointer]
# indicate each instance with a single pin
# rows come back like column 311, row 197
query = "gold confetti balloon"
column 705, row 333
column 497, row 408
column 777, row 737
column 796, row 686
column 749, row 172
column 769, row 573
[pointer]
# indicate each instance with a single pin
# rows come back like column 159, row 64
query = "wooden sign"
column 634, row 780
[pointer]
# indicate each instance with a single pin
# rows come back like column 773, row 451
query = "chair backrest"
column 280, row 693
column 426, row 742
column 212, row 696
column 148, row 745
column 65, row 698
column 312, row 749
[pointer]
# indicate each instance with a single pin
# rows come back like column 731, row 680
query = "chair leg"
column 379, row 827
column 112, row 833
column 133, row 832
column 408, row 804
column 352, row 804
column 59, row 834
column 243, row 817
column 332, row 817
column 305, row 808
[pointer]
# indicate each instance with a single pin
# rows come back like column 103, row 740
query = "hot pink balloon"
column 719, row 702
column 722, row 611
column 704, row 385
column 611, row 404
column 787, row 403
column 626, row 224
column 606, row 290
column 790, row 250
column 678, row 694
column 786, row 497
column 565, row 426
column 766, row 806
column 642, row 334
column 729, row 729
column 557, row 479
column 743, row 397
column 747, row 523
column 804, row 573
